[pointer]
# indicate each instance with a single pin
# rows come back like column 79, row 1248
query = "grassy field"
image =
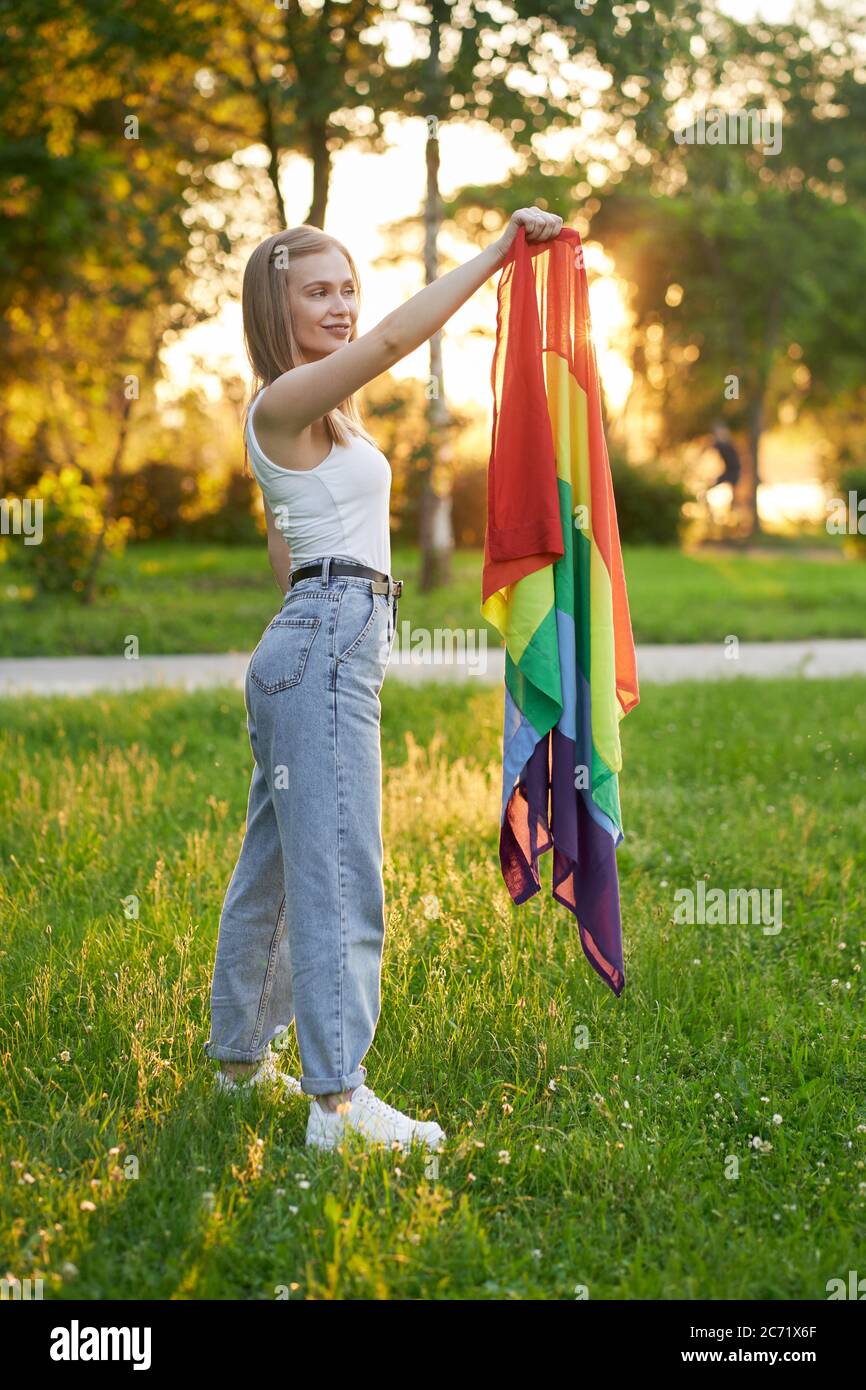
column 181, row 598
column 628, row 1167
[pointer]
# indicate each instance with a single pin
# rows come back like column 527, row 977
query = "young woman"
column 303, row 920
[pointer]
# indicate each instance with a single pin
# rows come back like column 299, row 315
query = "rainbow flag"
column 553, row 586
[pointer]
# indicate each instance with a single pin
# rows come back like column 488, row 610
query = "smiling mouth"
column 339, row 330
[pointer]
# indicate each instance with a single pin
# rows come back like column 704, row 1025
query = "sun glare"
column 610, row 330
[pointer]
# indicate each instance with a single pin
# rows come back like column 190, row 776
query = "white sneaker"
column 371, row 1117
column 267, row 1072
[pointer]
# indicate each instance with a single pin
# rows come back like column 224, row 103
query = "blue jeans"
column 303, row 920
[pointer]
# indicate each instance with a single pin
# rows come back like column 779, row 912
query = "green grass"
column 602, row 1166
column 183, row 598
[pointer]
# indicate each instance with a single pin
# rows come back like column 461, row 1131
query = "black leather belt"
column 380, row 580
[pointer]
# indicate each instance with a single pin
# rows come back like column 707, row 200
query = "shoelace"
column 378, row 1106
column 389, row 1112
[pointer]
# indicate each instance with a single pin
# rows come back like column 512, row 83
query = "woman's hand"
column 540, row 226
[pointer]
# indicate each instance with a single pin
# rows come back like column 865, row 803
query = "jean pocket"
column 356, row 617
column 278, row 661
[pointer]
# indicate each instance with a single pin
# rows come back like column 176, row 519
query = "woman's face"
column 322, row 294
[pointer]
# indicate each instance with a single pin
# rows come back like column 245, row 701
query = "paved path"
column 79, row 675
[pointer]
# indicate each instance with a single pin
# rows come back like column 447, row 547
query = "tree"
column 480, row 64
column 749, row 261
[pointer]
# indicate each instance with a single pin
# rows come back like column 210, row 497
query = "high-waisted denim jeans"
column 303, row 920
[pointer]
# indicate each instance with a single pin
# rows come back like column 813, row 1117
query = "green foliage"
column 164, row 501
column 854, row 480
column 233, row 522
column 744, row 260
column 648, row 504
column 153, row 497
column 72, row 523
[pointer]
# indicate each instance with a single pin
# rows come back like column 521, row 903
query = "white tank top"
column 340, row 507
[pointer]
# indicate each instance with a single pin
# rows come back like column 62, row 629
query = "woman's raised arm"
column 307, row 392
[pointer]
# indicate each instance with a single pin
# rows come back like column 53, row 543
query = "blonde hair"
column 269, row 333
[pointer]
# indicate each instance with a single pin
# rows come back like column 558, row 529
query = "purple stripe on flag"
column 546, row 810
column 584, row 868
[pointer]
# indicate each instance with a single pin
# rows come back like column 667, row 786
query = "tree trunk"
column 436, row 533
column 111, row 501
column 4, row 453
column 756, row 428
column 755, row 414
column 268, row 135
column 321, row 158
column 274, row 169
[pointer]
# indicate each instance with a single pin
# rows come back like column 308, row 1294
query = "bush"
column 233, row 522
column 854, row 480
column 153, row 499
column 72, row 519
column 649, row 506
column 162, row 500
